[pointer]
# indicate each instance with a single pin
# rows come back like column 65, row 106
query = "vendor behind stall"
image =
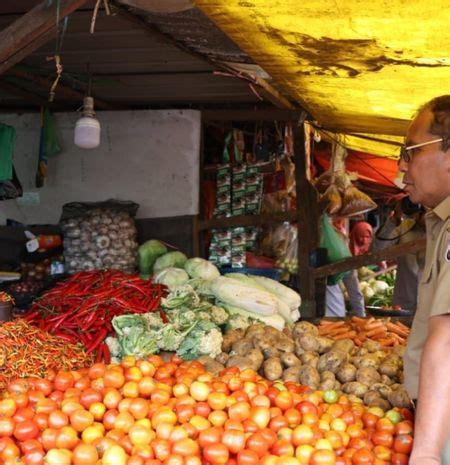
column 360, row 241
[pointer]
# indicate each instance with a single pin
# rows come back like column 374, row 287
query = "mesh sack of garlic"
column 99, row 237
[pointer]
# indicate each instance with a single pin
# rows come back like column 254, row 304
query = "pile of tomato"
column 151, row 412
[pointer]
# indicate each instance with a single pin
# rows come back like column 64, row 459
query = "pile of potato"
column 300, row 354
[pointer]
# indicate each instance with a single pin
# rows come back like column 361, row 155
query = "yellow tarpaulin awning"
column 359, row 67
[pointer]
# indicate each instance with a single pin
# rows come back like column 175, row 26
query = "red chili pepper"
column 106, row 353
column 97, row 340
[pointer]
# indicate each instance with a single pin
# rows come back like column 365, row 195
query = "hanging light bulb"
column 87, row 128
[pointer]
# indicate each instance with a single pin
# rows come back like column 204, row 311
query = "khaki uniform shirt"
column 434, row 290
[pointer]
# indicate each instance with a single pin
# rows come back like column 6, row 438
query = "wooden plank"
column 274, row 114
column 246, row 220
column 307, row 218
column 371, row 258
column 28, row 32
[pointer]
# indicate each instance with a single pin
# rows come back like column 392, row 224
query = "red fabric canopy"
column 378, row 170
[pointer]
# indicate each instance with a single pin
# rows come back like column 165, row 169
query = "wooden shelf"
column 247, row 220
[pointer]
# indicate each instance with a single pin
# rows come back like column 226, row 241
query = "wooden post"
column 307, row 218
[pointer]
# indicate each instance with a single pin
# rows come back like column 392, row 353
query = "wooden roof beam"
column 62, row 90
column 32, row 97
column 32, row 30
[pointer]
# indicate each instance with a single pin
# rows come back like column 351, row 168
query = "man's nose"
column 402, row 165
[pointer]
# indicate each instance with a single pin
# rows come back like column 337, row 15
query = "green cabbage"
column 201, row 268
column 172, row 277
column 148, row 252
column 175, row 259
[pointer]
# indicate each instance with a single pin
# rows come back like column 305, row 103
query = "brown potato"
column 344, row 345
column 211, row 365
column 389, row 369
column 331, row 360
column 241, row 362
column 346, row 373
column 327, row 381
column 242, row 347
column 309, row 376
column 371, row 345
column 288, row 359
column 325, row 344
column 373, row 399
column 222, row 358
column 284, row 344
column 256, row 357
column 368, row 376
column 308, row 342
column 302, row 327
column 292, row 374
column 256, row 329
column 355, row 388
column 310, row 358
column 230, row 337
column 272, row 368
column 399, row 398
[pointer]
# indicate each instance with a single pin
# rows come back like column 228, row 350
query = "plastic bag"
column 333, row 200
column 337, row 248
column 11, row 189
column 355, row 202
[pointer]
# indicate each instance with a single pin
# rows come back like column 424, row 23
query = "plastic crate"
column 272, row 273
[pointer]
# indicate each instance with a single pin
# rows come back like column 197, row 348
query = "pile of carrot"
column 27, row 351
column 387, row 332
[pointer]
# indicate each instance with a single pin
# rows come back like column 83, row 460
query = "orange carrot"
column 397, row 329
column 377, row 333
column 346, row 335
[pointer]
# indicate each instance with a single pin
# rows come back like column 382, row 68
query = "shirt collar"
column 443, row 209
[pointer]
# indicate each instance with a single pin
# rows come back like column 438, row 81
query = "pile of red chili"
column 81, row 308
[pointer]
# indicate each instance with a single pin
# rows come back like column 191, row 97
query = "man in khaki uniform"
column 425, row 163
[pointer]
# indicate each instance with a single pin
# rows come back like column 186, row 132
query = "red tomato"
column 283, row 447
column 382, row 438
column 404, row 427
column 63, row 380
column 216, row 454
column 363, row 457
column 27, row 429
column 403, row 443
column 34, row 457
column 247, row 457
column 30, row 444
column 399, row 459
column 210, row 436
column 234, row 440
column 323, row 457
column 8, row 407
column 258, row 443
column 307, row 407
column 7, row 425
column 85, row 454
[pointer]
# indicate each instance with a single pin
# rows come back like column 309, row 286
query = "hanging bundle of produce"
column 81, row 308
column 339, row 195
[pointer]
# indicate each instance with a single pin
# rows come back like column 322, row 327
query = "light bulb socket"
column 88, row 106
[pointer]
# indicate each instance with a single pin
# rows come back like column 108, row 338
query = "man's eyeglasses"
column 406, row 152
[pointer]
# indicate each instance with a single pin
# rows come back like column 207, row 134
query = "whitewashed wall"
column 150, row 157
